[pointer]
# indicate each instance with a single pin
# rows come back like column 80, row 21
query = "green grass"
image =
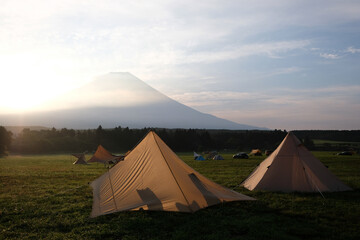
column 339, row 144
column 321, row 141
column 47, row 197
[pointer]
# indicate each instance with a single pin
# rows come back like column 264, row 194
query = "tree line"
column 120, row 140
column 123, row 139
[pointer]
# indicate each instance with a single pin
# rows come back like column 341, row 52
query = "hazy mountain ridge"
column 119, row 99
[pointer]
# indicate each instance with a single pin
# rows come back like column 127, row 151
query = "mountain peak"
column 122, row 80
column 115, row 89
column 121, row 99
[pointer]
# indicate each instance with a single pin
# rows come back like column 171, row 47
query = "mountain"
column 119, row 99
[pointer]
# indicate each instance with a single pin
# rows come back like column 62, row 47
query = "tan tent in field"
column 291, row 167
column 104, row 156
column 255, row 152
column 80, row 158
column 218, row 157
column 153, row 177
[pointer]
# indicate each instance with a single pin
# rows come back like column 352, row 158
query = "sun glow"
column 23, row 82
column 27, row 82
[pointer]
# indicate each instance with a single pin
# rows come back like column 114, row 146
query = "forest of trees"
column 120, row 140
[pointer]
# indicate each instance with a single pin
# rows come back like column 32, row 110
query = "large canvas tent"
column 292, row 168
column 153, row 177
column 80, row 158
column 104, row 156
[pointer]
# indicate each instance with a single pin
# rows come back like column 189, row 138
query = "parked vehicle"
column 240, row 155
column 345, row 153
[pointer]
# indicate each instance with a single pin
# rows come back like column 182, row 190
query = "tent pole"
column 112, row 190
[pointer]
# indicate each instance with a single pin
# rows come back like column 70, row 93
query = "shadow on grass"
column 273, row 216
column 234, row 220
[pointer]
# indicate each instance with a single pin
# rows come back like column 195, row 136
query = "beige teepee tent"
column 153, row 177
column 104, row 156
column 256, row 152
column 291, row 167
column 80, row 158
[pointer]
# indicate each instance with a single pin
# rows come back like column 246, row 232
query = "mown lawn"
column 47, row 197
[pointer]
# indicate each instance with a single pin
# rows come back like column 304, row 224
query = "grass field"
column 321, row 141
column 339, row 144
column 47, row 197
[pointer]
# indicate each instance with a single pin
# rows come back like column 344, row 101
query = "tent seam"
column 265, row 171
column 307, row 175
column 172, row 173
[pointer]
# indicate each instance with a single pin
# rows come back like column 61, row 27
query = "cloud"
column 329, row 55
column 212, row 98
column 335, row 107
column 269, row 49
column 279, row 71
column 143, row 36
column 353, row 50
column 352, row 89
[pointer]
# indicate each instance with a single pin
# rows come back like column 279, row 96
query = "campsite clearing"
column 47, row 197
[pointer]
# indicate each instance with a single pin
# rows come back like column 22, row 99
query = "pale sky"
column 277, row 64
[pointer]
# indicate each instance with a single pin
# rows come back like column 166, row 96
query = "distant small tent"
column 80, row 158
column 218, row 157
column 198, row 157
column 211, row 155
column 153, row 177
column 292, row 168
column 104, row 156
column 256, row 152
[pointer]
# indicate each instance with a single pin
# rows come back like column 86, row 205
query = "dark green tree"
column 5, row 141
column 309, row 143
column 99, row 135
